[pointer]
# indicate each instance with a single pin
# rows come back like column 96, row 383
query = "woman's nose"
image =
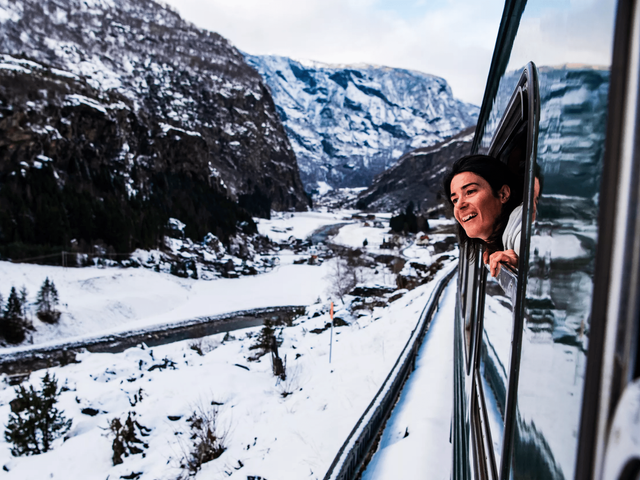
column 460, row 205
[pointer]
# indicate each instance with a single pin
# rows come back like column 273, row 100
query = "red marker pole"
column 331, row 336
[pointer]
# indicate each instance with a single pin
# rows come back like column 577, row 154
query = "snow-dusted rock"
column 142, row 114
column 348, row 123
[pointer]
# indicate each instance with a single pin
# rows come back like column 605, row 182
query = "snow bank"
column 268, row 434
column 98, row 301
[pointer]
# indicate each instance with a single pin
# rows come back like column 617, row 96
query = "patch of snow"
column 76, row 100
column 16, row 68
column 167, row 128
column 177, row 224
column 10, row 11
column 283, row 225
column 354, row 236
column 324, row 188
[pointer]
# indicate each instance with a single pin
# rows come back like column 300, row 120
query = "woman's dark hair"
column 496, row 174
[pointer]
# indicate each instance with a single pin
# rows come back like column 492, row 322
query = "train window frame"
column 518, row 125
column 512, row 125
column 473, row 301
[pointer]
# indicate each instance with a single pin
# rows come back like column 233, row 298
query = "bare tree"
column 342, row 278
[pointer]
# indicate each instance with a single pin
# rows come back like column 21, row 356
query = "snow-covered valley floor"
column 97, row 301
column 274, row 429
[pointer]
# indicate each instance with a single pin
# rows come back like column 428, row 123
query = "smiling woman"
column 475, row 206
column 483, row 193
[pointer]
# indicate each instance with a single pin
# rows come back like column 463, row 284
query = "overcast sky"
column 453, row 39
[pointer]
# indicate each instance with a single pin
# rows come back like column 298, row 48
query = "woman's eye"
column 469, row 192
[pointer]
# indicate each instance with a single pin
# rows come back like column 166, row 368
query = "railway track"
column 362, row 441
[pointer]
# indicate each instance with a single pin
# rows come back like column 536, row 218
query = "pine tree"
column 13, row 325
column 47, row 301
column 264, row 340
column 23, row 301
column 35, row 422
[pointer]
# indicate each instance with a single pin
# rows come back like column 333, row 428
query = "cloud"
column 579, row 32
column 453, row 39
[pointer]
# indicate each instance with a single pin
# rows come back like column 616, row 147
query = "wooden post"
column 331, row 336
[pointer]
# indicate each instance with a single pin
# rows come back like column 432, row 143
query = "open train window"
column 498, row 328
column 512, row 143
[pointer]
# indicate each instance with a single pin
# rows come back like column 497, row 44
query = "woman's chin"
column 472, row 233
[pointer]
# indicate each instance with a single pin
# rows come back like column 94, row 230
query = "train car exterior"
column 546, row 368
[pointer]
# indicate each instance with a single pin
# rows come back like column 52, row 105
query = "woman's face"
column 474, row 205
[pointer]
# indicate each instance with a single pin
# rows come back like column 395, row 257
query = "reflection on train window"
column 512, row 142
column 561, row 268
column 494, row 355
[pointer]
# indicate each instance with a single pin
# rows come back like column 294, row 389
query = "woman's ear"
column 504, row 194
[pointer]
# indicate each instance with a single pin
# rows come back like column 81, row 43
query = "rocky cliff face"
column 350, row 123
column 116, row 115
column 417, row 178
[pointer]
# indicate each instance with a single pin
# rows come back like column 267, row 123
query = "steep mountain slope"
column 350, row 123
column 416, row 177
column 116, row 115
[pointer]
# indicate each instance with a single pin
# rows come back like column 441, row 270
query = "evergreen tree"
column 47, row 301
column 405, row 222
column 23, row 301
column 35, row 422
column 13, row 325
column 264, row 340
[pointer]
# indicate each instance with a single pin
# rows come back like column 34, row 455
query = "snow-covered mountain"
column 121, row 115
column 416, row 178
column 348, row 123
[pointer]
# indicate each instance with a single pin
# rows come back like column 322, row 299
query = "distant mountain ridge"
column 348, row 123
column 416, row 178
column 116, row 115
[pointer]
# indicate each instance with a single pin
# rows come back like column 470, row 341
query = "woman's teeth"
column 469, row 217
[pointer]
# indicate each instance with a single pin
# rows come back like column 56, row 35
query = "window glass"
column 495, row 351
column 570, row 42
